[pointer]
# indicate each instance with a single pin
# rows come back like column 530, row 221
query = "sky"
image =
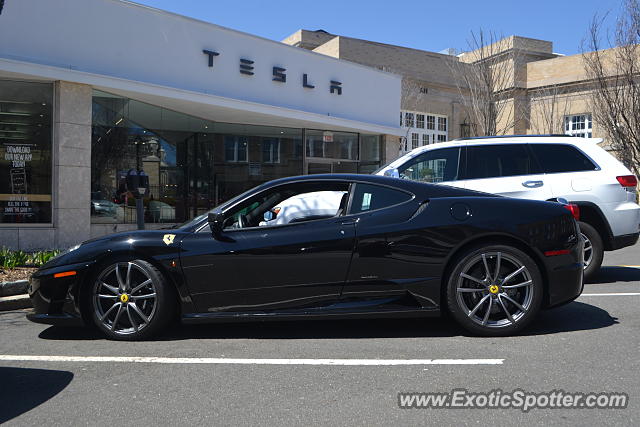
column 427, row 25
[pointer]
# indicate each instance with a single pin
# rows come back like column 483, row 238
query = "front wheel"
column 494, row 290
column 131, row 300
column 593, row 249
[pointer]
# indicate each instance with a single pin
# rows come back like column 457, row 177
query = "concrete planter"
column 13, row 288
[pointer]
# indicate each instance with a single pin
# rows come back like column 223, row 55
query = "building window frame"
column 579, row 125
column 237, row 140
column 408, row 119
column 429, row 128
column 273, row 152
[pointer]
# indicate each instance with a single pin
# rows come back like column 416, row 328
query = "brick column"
column 72, row 163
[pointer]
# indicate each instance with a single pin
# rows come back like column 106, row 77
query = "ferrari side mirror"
column 216, row 220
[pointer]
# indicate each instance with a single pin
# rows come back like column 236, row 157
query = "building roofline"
column 231, row 30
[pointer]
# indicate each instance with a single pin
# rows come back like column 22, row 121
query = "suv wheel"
column 494, row 290
column 593, row 249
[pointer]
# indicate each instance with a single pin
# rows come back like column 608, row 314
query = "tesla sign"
column 246, row 67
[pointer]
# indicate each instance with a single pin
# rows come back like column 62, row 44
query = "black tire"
column 494, row 303
column 113, row 301
column 595, row 254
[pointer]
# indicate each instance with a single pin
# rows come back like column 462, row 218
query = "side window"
column 369, row 197
column 290, row 203
column 433, row 166
column 556, row 158
column 491, row 161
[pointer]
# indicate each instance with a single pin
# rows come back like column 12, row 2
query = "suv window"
column 433, row 166
column 369, row 197
column 556, row 158
column 490, row 161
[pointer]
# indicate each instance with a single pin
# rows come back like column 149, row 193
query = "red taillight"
column 627, row 180
column 559, row 252
column 574, row 209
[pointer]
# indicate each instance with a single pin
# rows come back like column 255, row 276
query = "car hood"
column 150, row 243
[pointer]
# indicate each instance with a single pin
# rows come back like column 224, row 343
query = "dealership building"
column 91, row 89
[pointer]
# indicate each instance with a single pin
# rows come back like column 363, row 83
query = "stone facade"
column 543, row 89
column 428, row 85
column 72, row 163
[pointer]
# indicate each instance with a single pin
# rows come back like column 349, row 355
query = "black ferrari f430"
column 325, row 246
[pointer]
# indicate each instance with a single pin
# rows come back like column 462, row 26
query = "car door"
column 267, row 268
column 506, row 169
column 569, row 172
column 379, row 268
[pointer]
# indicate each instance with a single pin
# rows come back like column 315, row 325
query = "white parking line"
column 612, row 294
column 232, row 361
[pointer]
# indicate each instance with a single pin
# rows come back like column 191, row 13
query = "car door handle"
column 533, row 184
column 351, row 221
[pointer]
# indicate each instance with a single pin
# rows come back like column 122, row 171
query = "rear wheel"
column 593, row 249
column 131, row 300
column 494, row 290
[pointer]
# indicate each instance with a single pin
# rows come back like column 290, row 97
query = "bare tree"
column 549, row 106
column 614, row 70
column 486, row 80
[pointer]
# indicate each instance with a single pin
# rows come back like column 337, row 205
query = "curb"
column 15, row 302
column 13, row 288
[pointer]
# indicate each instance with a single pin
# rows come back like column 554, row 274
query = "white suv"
column 541, row 168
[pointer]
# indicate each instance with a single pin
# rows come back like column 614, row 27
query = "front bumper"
column 56, row 301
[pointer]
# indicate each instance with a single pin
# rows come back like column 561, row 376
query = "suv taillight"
column 574, row 209
column 627, row 180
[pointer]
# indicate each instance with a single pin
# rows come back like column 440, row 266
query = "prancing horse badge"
column 168, row 238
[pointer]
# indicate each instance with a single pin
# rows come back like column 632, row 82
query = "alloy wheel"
column 587, row 251
column 495, row 289
column 124, row 298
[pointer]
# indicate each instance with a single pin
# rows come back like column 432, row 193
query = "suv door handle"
column 533, row 184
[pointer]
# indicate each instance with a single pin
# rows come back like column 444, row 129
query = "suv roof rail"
column 513, row 136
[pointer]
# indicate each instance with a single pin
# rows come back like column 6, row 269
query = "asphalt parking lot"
column 590, row 345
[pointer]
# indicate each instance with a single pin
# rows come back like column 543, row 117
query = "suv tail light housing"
column 627, row 180
column 574, row 209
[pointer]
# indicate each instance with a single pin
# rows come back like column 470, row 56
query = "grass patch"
column 11, row 259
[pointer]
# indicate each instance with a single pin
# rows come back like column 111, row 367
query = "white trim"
column 10, row 68
column 231, row 30
column 242, row 361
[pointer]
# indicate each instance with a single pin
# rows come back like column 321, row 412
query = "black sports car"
column 388, row 247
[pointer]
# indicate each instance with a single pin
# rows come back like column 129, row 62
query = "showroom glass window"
column 370, row 146
column 193, row 164
column 332, row 145
column 25, row 152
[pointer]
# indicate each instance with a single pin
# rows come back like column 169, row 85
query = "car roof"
column 420, row 189
column 384, row 180
column 503, row 139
